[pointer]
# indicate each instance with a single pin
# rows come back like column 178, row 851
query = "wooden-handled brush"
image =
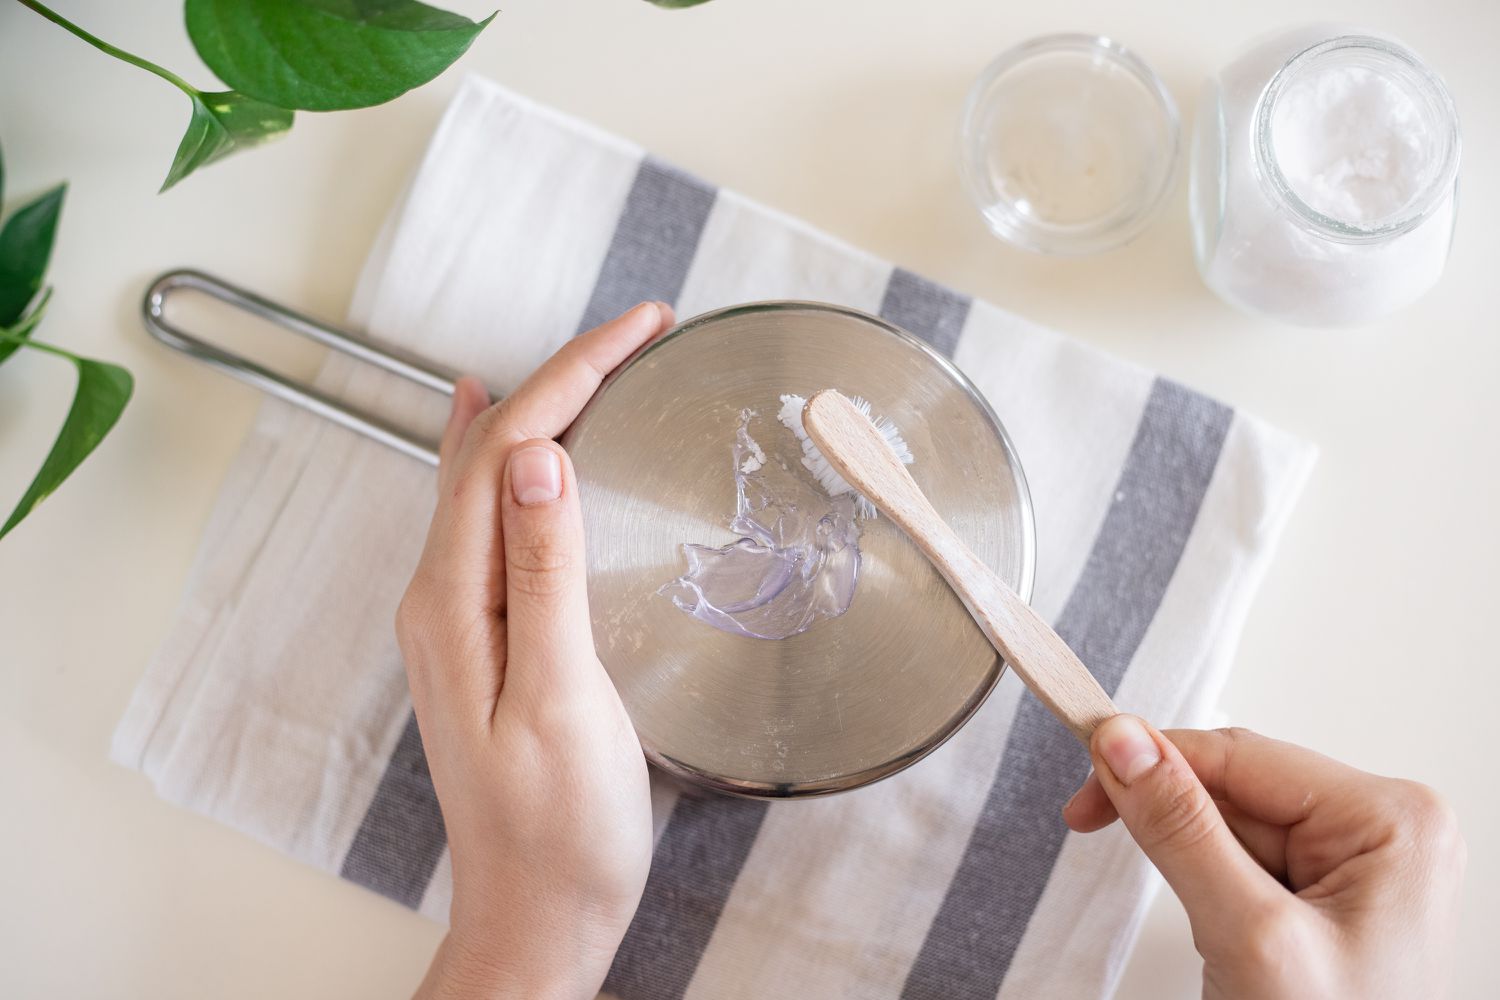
column 861, row 455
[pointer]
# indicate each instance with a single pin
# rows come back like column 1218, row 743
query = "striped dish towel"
column 277, row 703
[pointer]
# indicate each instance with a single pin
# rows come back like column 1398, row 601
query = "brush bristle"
column 827, row 476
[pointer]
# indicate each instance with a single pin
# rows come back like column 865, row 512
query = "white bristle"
column 834, row 484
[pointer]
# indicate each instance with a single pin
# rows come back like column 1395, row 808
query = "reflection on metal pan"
column 855, row 698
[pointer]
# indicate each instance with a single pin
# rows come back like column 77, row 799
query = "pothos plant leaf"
column 223, row 123
column 25, row 247
column 30, row 318
column 327, row 55
column 103, row 390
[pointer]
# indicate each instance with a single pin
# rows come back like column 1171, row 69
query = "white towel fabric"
column 278, row 704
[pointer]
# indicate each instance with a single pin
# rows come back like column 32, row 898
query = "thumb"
column 1175, row 821
column 549, row 635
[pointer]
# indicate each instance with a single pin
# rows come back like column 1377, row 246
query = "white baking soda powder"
column 1322, row 187
column 1352, row 144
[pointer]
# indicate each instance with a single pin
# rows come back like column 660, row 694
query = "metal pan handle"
column 298, row 393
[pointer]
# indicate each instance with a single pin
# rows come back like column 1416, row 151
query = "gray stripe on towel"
column 697, row 861
column 928, row 310
column 401, row 838
column 654, row 242
column 1009, row 858
column 706, row 841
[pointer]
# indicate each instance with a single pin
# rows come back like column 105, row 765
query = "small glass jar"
column 1324, row 178
column 1068, row 144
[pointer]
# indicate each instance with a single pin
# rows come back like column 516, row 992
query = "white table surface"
column 1372, row 639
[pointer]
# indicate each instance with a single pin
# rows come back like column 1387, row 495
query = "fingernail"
column 1127, row 747
column 1074, row 797
column 467, row 386
column 535, row 476
column 475, row 387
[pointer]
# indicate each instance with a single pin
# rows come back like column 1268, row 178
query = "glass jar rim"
column 1111, row 230
column 1416, row 211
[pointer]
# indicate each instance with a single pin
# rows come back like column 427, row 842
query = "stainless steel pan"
column 855, row 698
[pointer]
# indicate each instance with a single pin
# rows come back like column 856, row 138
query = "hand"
column 537, row 769
column 1302, row 877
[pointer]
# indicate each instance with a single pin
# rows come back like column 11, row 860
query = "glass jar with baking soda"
column 1324, row 178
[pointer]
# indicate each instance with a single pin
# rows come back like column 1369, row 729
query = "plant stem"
column 37, row 345
column 27, row 323
column 109, row 49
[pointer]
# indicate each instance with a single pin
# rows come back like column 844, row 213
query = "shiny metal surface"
column 303, row 394
column 855, row 698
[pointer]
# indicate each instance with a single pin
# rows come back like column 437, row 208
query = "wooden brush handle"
column 1052, row 671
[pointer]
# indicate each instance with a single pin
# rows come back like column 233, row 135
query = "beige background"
column 1373, row 638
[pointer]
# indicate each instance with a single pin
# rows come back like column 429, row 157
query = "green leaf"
column 25, row 247
column 103, row 390
column 327, row 55
column 677, row 3
column 224, row 123
column 22, row 327
column 2, row 179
